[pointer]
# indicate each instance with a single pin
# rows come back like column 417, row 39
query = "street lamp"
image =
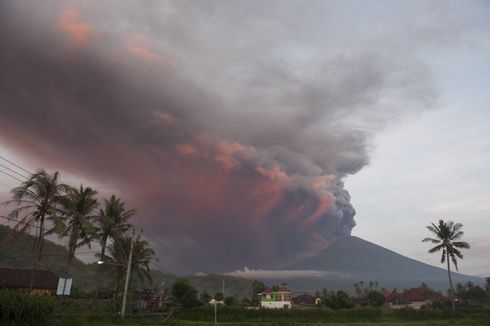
column 215, row 303
column 128, row 273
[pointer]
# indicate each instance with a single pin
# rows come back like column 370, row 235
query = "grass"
column 17, row 308
column 464, row 318
column 154, row 321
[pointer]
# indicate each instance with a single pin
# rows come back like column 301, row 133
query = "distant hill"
column 212, row 284
column 351, row 259
column 347, row 261
column 18, row 254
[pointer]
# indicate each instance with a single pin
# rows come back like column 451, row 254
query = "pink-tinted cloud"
column 141, row 47
column 70, row 22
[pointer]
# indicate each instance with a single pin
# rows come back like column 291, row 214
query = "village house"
column 306, row 301
column 412, row 298
column 280, row 298
column 43, row 282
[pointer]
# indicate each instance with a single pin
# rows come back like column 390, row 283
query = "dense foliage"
column 184, row 294
column 17, row 308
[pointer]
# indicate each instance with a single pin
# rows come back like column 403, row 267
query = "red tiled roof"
column 21, row 279
column 416, row 295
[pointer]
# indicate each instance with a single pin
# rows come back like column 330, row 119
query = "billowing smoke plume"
column 228, row 127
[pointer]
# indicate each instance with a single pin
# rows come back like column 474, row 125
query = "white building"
column 282, row 298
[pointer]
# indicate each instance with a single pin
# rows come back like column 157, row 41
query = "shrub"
column 19, row 308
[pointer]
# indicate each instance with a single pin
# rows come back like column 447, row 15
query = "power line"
column 159, row 244
column 12, row 170
column 169, row 251
column 49, row 255
column 161, row 269
column 19, row 222
column 11, row 176
column 3, row 158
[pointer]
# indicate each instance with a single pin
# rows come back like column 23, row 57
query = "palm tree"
column 38, row 201
column 112, row 221
column 78, row 207
column 143, row 254
column 446, row 233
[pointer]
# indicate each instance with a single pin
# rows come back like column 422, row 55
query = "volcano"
column 350, row 259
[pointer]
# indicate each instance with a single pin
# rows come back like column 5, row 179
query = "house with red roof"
column 412, row 298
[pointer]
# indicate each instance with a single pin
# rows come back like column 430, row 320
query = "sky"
column 252, row 133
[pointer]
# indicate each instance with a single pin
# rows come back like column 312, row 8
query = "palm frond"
column 461, row 244
column 436, row 248
column 431, row 240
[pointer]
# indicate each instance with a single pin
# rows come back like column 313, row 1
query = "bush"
column 19, row 308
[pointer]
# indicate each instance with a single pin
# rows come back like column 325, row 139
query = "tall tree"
column 447, row 235
column 112, row 221
column 78, row 208
column 119, row 251
column 38, row 201
column 184, row 293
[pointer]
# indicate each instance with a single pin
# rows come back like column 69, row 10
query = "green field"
column 152, row 321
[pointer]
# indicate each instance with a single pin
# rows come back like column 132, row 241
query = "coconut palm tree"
column 119, row 250
column 446, row 236
column 78, row 207
column 112, row 221
column 38, row 201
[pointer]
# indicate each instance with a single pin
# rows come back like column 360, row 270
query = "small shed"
column 43, row 282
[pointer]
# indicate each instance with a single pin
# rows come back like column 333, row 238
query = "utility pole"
column 128, row 273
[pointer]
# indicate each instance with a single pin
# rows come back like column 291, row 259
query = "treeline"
column 42, row 206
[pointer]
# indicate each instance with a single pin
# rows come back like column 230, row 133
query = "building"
column 306, row 301
column 280, row 298
column 412, row 298
column 43, row 282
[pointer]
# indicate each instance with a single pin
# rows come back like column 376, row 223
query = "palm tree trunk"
column 40, row 242
column 35, row 246
column 101, row 267
column 451, row 294
column 72, row 246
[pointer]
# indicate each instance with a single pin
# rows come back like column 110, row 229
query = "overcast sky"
column 237, row 129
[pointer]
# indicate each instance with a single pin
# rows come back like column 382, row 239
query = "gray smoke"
column 228, row 125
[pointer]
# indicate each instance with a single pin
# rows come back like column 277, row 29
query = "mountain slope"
column 352, row 258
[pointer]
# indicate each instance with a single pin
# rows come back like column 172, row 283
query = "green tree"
column 205, row 297
column 113, row 221
column 78, row 207
column 184, row 293
column 447, row 235
column 218, row 296
column 374, row 298
column 38, row 201
column 257, row 287
column 338, row 300
column 143, row 254
column 230, row 301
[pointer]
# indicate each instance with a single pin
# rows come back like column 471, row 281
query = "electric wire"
column 3, row 158
column 11, row 176
column 12, row 170
column 156, row 241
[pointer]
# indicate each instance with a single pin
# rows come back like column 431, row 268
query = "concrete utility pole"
column 128, row 273
column 215, row 303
